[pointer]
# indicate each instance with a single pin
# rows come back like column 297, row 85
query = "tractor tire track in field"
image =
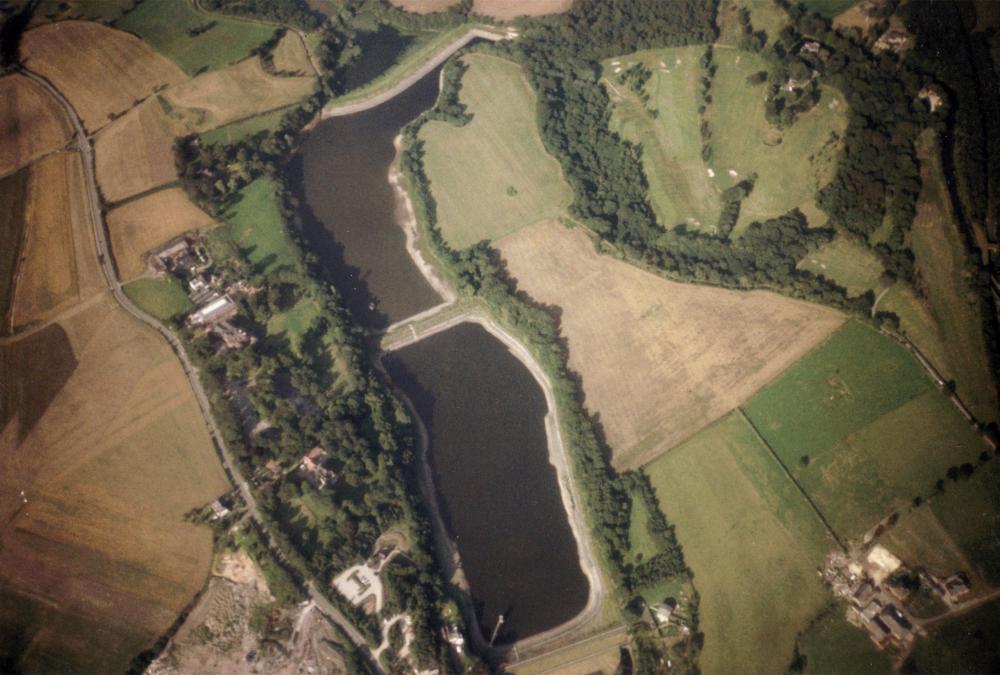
column 105, row 260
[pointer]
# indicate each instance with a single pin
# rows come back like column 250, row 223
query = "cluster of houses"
column 872, row 584
column 185, row 259
column 874, row 599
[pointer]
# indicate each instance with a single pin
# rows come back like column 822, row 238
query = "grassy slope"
column 163, row 298
column 846, row 262
column 237, row 131
column 939, row 251
column 679, row 187
column 256, row 224
column 474, row 168
column 13, row 195
column 752, row 541
column 876, row 432
column 165, row 25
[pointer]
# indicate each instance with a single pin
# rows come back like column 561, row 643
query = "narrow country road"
column 114, row 284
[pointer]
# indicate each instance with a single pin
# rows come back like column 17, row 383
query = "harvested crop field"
column 659, row 359
column 58, row 265
column 510, row 9
column 135, row 153
column 13, row 196
column 102, row 433
column 493, row 175
column 31, row 123
column 235, row 92
column 100, row 70
column 145, row 223
column 752, row 541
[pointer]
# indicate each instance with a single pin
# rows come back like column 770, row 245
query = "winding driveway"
column 115, row 285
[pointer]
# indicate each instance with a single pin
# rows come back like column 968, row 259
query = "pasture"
column 102, row 433
column 492, row 176
column 861, row 428
column 684, row 188
column 163, row 298
column 846, row 262
column 832, row 646
column 764, row 15
column 13, row 195
column 32, row 123
column 639, row 340
column 257, row 228
column 229, row 94
column 195, row 41
column 135, row 153
column 100, row 70
column 941, row 264
column 969, row 643
column 236, row 131
column 59, row 265
column 752, row 541
column 145, row 223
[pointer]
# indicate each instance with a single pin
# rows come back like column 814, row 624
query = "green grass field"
column 832, row 646
column 167, row 26
column 256, row 226
column 875, row 430
column 790, row 164
column 679, row 187
column 641, row 546
column 848, row 263
column 751, row 539
column 969, row 643
column 237, row 131
column 492, row 176
column 294, row 322
column 13, row 195
column 163, row 298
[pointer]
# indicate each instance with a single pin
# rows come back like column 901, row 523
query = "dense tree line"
column 286, row 12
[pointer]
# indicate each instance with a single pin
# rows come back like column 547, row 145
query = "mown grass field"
column 166, row 25
column 256, row 226
column 31, row 123
column 831, row 646
column 13, row 195
column 874, row 430
column 290, row 55
column 849, row 263
column 685, row 189
column 751, row 539
column 493, row 175
column 966, row 644
column 145, row 223
column 940, row 260
column 135, row 153
column 764, row 15
column 163, row 298
column 638, row 340
column 228, row 94
column 100, row 430
column 100, row 70
column 59, row 267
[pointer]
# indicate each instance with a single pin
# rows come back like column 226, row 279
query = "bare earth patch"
column 135, row 153
column 659, row 359
column 100, row 70
column 58, row 265
column 143, row 224
column 510, row 9
column 31, row 123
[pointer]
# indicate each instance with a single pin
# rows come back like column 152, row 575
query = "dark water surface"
column 380, row 49
column 350, row 218
column 499, row 494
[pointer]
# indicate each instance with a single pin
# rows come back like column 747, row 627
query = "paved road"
column 114, row 284
column 336, row 110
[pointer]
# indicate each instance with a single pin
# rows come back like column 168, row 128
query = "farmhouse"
column 217, row 309
column 218, row 510
column 312, row 468
column 896, row 40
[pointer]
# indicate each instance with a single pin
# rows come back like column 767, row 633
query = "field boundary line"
column 815, row 508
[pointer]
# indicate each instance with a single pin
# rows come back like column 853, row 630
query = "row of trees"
column 285, row 12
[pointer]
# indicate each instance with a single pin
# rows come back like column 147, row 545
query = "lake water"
column 500, row 497
column 483, row 409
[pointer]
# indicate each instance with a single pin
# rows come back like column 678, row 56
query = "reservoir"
column 483, row 410
column 499, row 496
column 350, row 214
